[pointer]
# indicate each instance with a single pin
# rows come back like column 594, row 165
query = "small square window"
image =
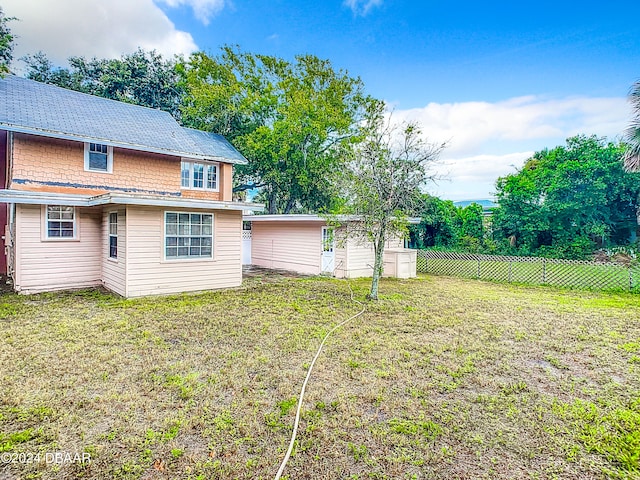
column 98, row 157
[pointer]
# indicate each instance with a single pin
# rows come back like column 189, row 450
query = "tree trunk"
column 378, row 265
column 273, row 206
column 290, row 204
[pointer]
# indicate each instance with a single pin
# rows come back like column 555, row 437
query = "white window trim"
column 331, row 235
column 109, row 235
column 204, row 182
column 45, row 227
column 109, row 159
column 187, row 259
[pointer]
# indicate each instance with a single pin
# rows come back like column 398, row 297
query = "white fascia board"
column 311, row 218
column 123, row 199
column 43, row 198
column 284, row 218
column 46, row 198
column 110, row 143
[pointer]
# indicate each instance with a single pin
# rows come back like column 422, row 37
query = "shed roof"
column 37, row 108
column 304, row 217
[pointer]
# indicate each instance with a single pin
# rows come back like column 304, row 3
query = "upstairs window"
column 98, row 157
column 200, row 176
column 61, row 222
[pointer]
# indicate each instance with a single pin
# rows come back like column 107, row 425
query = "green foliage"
column 6, row 42
column 8, row 442
column 288, row 118
column 424, row 428
column 567, row 201
column 613, row 433
column 143, row 78
column 443, row 225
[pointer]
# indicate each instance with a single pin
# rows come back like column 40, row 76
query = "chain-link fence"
column 545, row 271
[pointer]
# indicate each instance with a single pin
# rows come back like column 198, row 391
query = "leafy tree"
column 143, row 78
column 437, row 224
column 444, row 225
column 289, row 119
column 6, row 42
column 382, row 181
column 469, row 221
column 632, row 134
column 567, row 201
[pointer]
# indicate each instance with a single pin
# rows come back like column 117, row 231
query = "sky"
column 495, row 80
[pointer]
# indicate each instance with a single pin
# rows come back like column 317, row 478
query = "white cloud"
column 203, row 10
column 474, row 177
column 489, row 140
column 91, row 28
column 361, row 7
column 478, row 127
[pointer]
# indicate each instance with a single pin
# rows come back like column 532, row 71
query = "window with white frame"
column 61, row 222
column 188, row 235
column 113, row 235
column 202, row 176
column 98, row 157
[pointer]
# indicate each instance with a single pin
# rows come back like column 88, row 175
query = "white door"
column 328, row 250
column 246, row 247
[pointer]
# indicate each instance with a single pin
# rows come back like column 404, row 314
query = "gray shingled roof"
column 37, row 108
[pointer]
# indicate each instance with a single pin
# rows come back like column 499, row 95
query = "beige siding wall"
column 358, row 257
column 43, row 265
column 114, row 270
column 295, row 246
column 149, row 274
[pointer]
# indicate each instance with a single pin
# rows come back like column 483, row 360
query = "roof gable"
column 33, row 107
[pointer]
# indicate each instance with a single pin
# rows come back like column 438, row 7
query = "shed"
column 306, row 244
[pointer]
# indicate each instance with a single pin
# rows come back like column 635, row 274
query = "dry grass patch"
column 443, row 378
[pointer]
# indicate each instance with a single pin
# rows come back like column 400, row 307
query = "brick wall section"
column 45, row 161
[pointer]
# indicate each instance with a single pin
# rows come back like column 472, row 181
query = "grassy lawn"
column 443, row 378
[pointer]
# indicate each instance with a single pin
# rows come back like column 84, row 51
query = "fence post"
column 544, row 270
column 630, row 278
column 510, row 263
column 478, row 267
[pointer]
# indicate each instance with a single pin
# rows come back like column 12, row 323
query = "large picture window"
column 61, row 222
column 188, row 235
column 202, row 176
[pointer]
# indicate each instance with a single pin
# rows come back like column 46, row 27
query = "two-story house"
column 97, row 192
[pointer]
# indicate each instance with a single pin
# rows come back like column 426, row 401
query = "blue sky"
column 415, row 52
column 497, row 80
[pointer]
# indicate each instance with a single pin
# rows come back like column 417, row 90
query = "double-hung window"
column 98, row 157
column 202, row 176
column 61, row 222
column 188, row 235
column 113, row 235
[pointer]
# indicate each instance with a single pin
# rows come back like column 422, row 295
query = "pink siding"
column 56, row 265
column 149, row 274
column 114, row 270
column 295, row 246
